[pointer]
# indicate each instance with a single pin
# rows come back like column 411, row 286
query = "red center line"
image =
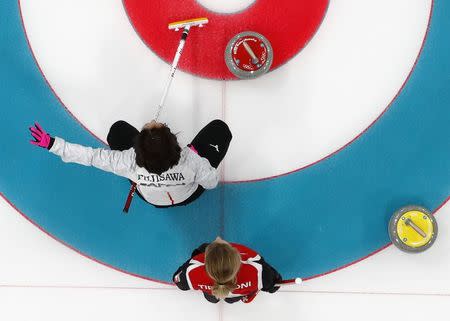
column 220, row 310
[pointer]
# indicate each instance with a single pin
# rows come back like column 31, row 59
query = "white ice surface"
column 315, row 103
column 319, row 101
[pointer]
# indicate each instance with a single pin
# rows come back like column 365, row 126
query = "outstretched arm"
column 118, row 162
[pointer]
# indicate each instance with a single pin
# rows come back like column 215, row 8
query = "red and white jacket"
column 254, row 275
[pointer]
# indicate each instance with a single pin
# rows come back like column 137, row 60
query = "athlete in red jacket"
column 228, row 271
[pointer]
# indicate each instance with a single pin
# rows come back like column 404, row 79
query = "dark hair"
column 157, row 149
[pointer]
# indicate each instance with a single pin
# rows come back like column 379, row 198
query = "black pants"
column 213, row 299
column 211, row 142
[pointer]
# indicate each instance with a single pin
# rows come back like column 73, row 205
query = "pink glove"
column 42, row 139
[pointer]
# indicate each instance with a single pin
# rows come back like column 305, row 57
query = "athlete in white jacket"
column 166, row 175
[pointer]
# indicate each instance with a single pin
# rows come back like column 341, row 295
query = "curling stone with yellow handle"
column 413, row 229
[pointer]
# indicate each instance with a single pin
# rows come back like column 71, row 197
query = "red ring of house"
column 287, row 24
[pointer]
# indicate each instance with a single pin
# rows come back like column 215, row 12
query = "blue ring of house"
column 305, row 224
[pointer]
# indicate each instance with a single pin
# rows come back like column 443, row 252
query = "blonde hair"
column 222, row 263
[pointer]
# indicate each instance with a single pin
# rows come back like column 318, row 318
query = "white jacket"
column 171, row 187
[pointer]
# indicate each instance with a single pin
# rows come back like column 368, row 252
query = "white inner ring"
column 286, row 119
column 228, row 6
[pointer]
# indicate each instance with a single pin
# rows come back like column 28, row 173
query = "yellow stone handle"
column 409, row 222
